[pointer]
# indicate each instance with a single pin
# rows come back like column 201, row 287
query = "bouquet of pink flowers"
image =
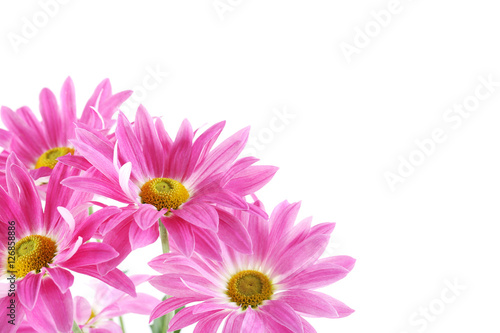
column 79, row 193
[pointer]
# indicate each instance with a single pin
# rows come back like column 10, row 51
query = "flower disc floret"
column 249, row 288
column 164, row 193
column 33, row 253
column 49, row 158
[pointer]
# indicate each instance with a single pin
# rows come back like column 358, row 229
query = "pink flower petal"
column 251, row 180
column 233, row 233
column 283, row 314
column 52, row 120
column 172, row 304
column 129, row 148
column 147, row 216
column 185, row 317
column 300, row 256
column 323, row 273
column 309, row 303
column 207, row 243
column 200, row 215
column 61, row 277
column 211, row 323
column 181, row 233
column 90, row 254
column 60, row 305
column 28, row 289
column 82, row 310
column 139, row 238
column 149, row 138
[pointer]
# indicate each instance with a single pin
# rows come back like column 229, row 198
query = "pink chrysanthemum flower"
column 39, row 144
column 48, row 243
column 110, row 303
column 270, row 290
column 183, row 182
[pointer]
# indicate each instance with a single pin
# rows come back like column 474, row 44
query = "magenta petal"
column 233, row 322
column 28, row 289
column 342, row 309
column 226, row 199
column 203, row 144
column 147, row 216
column 139, row 238
column 181, row 233
column 233, row 233
column 68, row 103
column 300, row 256
column 251, row 180
column 283, row 314
column 170, row 305
column 115, row 278
column 59, row 304
column 5, row 138
column 61, row 277
column 185, row 317
column 281, row 220
column 83, row 310
column 252, row 322
column 200, row 215
column 223, row 155
column 322, row 273
column 129, row 148
column 175, row 285
column 309, row 303
column 207, row 244
column 181, row 151
column 148, row 136
column 211, row 323
column 90, row 254
column 52, row 119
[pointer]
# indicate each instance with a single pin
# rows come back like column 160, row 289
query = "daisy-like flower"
column 270, row 290
column 39, row 246
column 183, row 182
column 39, row 144
column 110, row 303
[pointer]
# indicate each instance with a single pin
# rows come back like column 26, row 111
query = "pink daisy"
column 39, row 144
column 271, row 290
column 183, row 182
column 39, row 246
column 110, row 303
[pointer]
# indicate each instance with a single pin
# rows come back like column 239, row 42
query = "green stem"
column 164, row 238
column 166, row 249
column 91, row 210
column 76, row 328
column 122, row 324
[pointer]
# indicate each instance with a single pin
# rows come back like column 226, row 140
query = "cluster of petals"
column 29, row 138
column 214, row 178
column 110, row 303
column 288, row 254
column 42, row 296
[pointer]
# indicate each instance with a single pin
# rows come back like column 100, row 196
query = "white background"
column 351, row 123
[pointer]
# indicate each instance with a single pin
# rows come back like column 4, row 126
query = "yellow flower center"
column 249, row 288
column 32, row 253
column 164, row 193
column 49, row 158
